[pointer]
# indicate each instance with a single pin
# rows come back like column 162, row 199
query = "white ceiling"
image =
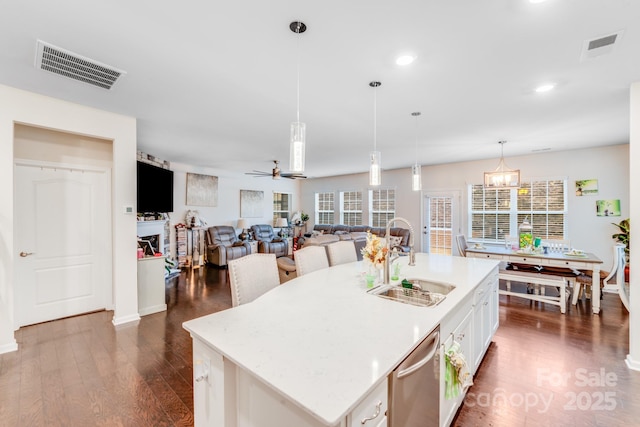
column 214, row 83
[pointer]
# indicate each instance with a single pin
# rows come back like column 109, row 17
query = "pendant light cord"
column 375, row 118
column 298, row 76
column 416, row 139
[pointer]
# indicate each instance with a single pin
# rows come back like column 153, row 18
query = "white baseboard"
column 152, row 309
column 632, row 364
column 126, row 319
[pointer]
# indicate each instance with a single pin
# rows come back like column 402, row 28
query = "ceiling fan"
column 276, row 173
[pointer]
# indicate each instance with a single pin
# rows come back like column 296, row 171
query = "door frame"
column 456, row 215
column 108, row 267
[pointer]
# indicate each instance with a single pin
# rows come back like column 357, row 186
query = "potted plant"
column 623, row 237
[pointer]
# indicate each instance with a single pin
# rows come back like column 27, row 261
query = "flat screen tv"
column 155, row 188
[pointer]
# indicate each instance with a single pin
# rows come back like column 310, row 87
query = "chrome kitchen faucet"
column 412, row 254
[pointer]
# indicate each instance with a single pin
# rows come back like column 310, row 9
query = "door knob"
column 25, row 254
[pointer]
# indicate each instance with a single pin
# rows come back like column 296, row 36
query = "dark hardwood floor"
column 543, row 368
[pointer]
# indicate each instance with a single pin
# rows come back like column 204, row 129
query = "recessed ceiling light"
column 545, row 87
column 405, row 59
column 537, row 1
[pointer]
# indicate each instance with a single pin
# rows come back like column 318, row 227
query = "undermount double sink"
column 425, row 293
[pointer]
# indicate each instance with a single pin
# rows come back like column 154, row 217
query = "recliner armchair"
column 268, row 242
column 223, row 245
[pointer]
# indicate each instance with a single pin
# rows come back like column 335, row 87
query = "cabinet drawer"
column 485, row 287
column 374, row 403
column 569, row 264
column 486, row 256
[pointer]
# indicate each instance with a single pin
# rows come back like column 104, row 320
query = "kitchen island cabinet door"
column 462, row 335
column 213, row 388
column 485, row 319
column 371, row 412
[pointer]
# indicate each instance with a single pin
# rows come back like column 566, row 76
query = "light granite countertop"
column 323, row 342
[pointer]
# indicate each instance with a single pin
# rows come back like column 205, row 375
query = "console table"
column 587, row 261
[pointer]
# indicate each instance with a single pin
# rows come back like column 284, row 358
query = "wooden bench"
column 540, row 280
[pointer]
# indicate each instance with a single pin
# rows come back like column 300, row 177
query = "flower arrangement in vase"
column 375, row 251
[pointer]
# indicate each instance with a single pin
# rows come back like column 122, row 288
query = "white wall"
column 633, row 358
column 229, row 185
column 609, row 165
column 18, row 106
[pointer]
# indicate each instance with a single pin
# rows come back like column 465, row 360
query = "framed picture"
column 146, row 247
column 202, row 190
column 251, row 203
column 586, row 187
column 608, row 207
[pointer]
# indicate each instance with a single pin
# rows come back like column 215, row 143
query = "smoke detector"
column 602, row 45
column 77, row 67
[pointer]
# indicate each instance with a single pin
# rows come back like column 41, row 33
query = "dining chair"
column 462, row 245
column 251, row 276
column 342, row 252
column 619, row 286
column 310, row 258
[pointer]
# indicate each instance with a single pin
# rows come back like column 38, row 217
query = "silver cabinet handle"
column 25, row 254
column 375, row 414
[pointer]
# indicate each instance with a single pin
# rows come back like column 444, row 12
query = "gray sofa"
column 325, row 234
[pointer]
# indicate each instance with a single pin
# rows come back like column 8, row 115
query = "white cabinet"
column 485, row 318
column 151, row 295
column 463, row 335
column 226, row 395
column 371, row 411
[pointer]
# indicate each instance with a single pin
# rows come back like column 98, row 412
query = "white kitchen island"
column 317, row 350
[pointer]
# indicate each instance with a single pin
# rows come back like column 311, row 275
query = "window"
column 382, row 207
column 325, row 208
column 496, row 213
column 351, row 207
column 281, row 206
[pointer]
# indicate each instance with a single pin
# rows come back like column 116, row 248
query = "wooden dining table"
column 585, row 261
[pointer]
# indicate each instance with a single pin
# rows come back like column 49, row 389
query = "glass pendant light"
column 298, row 129
column 503, row 176
column 374, row 156
column 416, row 169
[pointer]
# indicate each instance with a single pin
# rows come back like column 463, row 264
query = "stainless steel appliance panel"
column 414, row 390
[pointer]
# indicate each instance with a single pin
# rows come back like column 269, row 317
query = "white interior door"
column 63, row 238
column 441, row 222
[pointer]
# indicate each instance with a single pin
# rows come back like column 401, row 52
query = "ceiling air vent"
column 77, row 67
column 600, row 46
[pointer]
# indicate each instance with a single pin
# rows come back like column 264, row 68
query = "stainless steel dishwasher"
column 414, row 389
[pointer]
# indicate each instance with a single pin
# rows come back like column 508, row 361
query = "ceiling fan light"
column 297, row 147
column 374, row 168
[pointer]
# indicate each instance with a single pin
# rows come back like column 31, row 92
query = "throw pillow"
column 395, row 241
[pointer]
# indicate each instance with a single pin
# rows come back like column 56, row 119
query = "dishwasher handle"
column 411, row 369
